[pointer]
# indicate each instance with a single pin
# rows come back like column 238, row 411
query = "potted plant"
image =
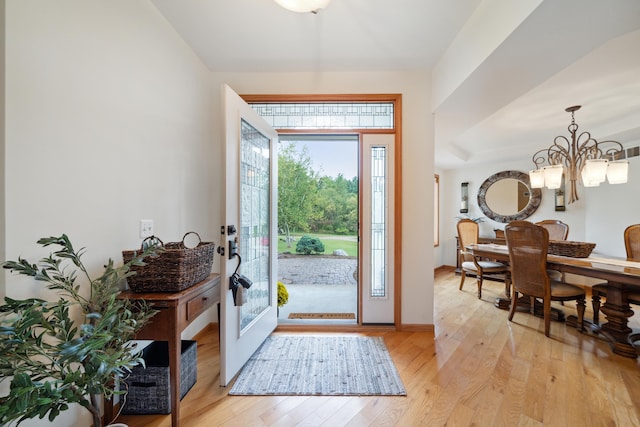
column 283, row 295
column 477, row 220
column 52, row 358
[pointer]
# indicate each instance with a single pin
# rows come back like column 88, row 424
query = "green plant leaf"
column 54, row 359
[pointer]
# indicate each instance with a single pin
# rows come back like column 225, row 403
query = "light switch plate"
column 146, row 228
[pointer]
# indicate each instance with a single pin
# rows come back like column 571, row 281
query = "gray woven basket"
column 149, row 388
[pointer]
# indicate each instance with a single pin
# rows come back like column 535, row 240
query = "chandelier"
column 583, row 157
column 303, row 6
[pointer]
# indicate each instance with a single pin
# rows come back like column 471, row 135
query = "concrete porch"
column 318, row 284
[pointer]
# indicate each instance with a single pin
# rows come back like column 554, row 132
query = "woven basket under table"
column 174, row 269
column 570, row 249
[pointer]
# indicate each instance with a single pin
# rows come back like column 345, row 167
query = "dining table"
column 616, row 272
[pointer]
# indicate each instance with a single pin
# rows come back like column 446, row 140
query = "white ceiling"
column 566, row 52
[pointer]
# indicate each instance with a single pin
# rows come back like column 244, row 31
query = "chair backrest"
column 632, row 242
column 558, row 230
column 527, row 244
column 468, row 232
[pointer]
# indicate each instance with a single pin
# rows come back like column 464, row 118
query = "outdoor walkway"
column 318, row 284
column 317, row 270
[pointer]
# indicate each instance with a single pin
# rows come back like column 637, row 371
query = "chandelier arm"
column 538, row 158
column 613, row 151
column 563, row 151
column 586, row 150
column 559, row 152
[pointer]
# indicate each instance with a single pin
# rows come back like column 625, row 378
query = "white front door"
column 250, row 230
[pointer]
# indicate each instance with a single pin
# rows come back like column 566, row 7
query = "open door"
column 249, row 231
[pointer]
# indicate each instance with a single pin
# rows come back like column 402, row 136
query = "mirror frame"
column 532, row 206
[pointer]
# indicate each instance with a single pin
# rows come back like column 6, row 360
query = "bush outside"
column 309, row 245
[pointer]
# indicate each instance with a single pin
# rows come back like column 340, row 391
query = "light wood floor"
column 478, row 369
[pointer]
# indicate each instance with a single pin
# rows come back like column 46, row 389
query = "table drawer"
column 200, row 303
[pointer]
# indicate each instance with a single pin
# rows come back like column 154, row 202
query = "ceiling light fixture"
column 585, row 159
column 303, row 6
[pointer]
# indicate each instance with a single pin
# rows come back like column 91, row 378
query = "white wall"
column 108, row 121
column 417, row 155
column 600, row 216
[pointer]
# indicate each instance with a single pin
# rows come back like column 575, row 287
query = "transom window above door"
column 327, row 115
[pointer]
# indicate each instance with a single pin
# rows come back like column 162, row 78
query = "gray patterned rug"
column 320, row 365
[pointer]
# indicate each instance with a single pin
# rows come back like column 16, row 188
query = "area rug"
column 322, row 316
column 293, row 365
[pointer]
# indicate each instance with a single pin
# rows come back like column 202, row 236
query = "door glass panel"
column 378, row 222
column 254, row 221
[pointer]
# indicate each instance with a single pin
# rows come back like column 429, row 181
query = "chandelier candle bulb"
column 586, row 181
column 596, row 170
column 537, row 178
column 617, row 172
column 553, row 176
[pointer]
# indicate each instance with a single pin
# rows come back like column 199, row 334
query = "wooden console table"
column 176, row 311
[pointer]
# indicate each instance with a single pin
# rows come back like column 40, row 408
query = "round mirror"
column 507, row 196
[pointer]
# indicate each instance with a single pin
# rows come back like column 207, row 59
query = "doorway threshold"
column 330, row 327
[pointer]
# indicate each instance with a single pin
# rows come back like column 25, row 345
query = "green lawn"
column 349, row 244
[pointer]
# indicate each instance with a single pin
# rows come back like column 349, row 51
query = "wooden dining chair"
column 468, row 233
column 528, row 244
column 558, row 230
column 632, row 246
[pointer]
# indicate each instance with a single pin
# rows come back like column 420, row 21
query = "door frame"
column 396, row 99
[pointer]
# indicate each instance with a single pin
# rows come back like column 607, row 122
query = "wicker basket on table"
column 570, row 249
column 175, row 268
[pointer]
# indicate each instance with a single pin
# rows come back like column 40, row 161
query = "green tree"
column 337, row 205
column 297, row 190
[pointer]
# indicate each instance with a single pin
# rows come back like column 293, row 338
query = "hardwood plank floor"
column 477, row 369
